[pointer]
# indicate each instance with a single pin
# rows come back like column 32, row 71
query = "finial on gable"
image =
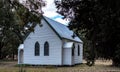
column 74, row 35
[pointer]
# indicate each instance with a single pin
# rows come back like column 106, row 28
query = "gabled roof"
column 68, row 45
column 62, row 30
column 21, row 46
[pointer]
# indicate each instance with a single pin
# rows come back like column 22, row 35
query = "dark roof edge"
column 24, row 38
column 57, row 33
column 52, row 28
column 72, row 40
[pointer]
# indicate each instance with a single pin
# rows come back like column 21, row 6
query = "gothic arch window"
column 78, row 50
column 73, row 48
column 37, row 49
column 46, row 49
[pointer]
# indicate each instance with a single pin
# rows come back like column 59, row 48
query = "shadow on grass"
column 49, row 66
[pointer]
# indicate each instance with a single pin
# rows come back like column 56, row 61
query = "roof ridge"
column 62, row 30
column 55, row 21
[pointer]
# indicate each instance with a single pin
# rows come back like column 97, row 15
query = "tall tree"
column 18, row 18
column 99, row 21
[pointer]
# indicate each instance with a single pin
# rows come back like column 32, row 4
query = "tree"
column 99, row 21
column 16, row 20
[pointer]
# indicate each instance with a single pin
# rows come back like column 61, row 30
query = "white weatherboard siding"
column 78, row 59
column 42, row 34
column 76, row 54
column 67, row 55
column 20, row 48
column 60, row 45
column 72, row 59
column 81, row 53
column 62, row 30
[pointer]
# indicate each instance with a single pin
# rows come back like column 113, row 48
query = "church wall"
column 43, row 34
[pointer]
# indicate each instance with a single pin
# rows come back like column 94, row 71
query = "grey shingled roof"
column 62, row 30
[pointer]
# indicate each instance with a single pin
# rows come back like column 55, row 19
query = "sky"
column 50, row 11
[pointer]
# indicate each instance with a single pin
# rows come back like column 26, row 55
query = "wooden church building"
column 51, row 44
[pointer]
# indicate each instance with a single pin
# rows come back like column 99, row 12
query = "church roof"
column 68, row 45
column 21, row 46
column 62, row 30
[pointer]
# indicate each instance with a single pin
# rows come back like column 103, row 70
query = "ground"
column 101, row 66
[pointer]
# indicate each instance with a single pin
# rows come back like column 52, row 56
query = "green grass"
column 12, row 66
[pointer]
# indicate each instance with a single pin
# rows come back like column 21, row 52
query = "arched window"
column 78, row 50
column 37, row 49
column 46, row 49
column 73, row 48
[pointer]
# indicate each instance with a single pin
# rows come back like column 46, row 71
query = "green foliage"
column 99, row 21
column 23, row 65
column 15, row 21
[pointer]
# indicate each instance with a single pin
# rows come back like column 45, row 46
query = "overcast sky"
column 50, row 11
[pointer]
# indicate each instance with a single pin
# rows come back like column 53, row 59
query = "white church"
column 51, row 44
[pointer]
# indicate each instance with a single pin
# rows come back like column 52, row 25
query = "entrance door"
column 21, row 56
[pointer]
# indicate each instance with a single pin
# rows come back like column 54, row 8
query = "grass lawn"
column 101, row 66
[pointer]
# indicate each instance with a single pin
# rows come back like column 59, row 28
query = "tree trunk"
column 91, row 58
column 1, row 46
column 0, row 52
column 115, row 62
column 13, row 56
column 93, row 53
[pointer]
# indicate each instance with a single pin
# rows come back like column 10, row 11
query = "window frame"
column 37, row 49
column 78, row 50
column 73, row 49
column 46, row 49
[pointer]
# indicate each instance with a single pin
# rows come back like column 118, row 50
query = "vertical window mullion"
column 78, row 50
